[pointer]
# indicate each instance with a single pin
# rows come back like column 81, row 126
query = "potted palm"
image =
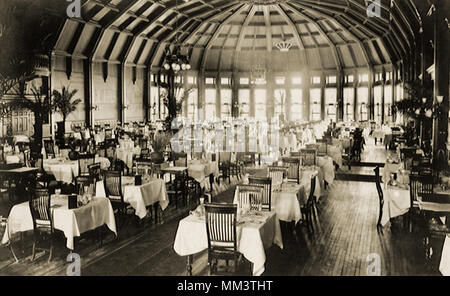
column 64, row 105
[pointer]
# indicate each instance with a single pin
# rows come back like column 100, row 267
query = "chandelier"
column 284, row 45
column 175, row 61
column 258, row 75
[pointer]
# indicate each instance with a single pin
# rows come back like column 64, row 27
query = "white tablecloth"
column 444, row 266
column 257, row 171
column 287, row 202
column 63, row 170
column 335, row 152
column 140, row 196
column 200, row 171
column 252, row 237
column 388, row 169
column 306, row 173
column 396, row 203
column 379, row 134
column 12, row 159
column 327, row 167
column 72, row 222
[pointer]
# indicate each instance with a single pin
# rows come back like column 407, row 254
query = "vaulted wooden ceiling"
column 229, row 35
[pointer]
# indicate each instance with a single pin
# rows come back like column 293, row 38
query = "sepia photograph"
column 197, row 138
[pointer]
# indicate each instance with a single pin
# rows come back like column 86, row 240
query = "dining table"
column 256, row 232
column 151, row 191
column 397, row 202
column 72, row 222
column 64, row 170
column 327, row 167
column 203, row 171
column 288, row 200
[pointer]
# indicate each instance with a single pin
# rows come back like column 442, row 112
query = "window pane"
column 210, row 102
column 349, row 101
column 296, row 110
column 378, row 107
column 260, row 103
column 280, row 80
column 315, row 106
column 244, row 80
column 244, row 102
column 225, row 103
column 330, row 103
column 296, row 80
column 280, row 103
column 363, row 100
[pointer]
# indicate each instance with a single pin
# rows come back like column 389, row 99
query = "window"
column 280, row 103
column 280, row 80
column 378, row 77
column 388, row 76
column 244, row 81
column 363, row 78
column 296, row 80
column 210, row 103
column 192, row 108
column 315, row 106
column 378, row 106
column 244, row 102
column 331, row 79
column 363, row 101
column 178, row 79
column 152, row 78
column 388, row 103
column 210, row 80
column 164, row 111
column 260, row 104
column 296, row 110
column 315, row 80
column 154, row 103
column 349, row 78
column 399, row 90
column 192, row 80
column 330, row 104
column 225, row 103
column 349, row 103
column 225, row 81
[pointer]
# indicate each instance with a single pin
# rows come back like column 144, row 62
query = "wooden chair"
column 418, row 185
column 267, row 192
column 323, row 147
column 95, row 171
column 380, row 195
column 39, row 204
column 42, row 176
column 86, row 181
column 224, row 166
column 293, row 165
column 49, row 148
column 179, row 159
column 221, row 221
column 250, row 196
column 84, row 161
column 143, row 168
column 277, row 173
column 112, row 181
column 309, row 210
column 308, row 156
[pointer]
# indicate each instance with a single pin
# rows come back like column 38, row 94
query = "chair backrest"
column 278, row 169
column 108, row 133
column 39, row 204
column 380, row 192
column 143, row 168
column 110, row 151
column 323, row 147
column 311, row 191
column 224, row 158
column 84, row 161
column 419, row 184
column 293, row 168
column 221, row 220
column 89, row 181
column 267, row 190
column 277, row 175
column 49, row 148
column 26, row 158
column 250, row 196
column 308, row 156
column 95, row 170
column 113, row 183
column 180, row 159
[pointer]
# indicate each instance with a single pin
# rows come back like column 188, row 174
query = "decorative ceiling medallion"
column 264, row 2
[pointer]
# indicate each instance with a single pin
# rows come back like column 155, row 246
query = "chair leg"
column 51, row 249
column 33, row 252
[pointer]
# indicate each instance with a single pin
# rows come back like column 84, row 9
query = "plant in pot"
column 64, row 105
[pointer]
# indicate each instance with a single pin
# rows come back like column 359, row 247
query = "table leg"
column 190, row 259
column 211, row 182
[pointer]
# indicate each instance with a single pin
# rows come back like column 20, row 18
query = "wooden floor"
column 345, row 237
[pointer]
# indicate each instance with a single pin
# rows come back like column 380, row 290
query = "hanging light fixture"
column 174, row 60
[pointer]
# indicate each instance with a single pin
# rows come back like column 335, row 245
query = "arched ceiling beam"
column 269, row 42
column 234, row 5
column 216, row 32
column 325, row 35
column 171, row 35
column 247, row 20
column 342, row 14
column 219, row 66
column 99, row 40
column 325, row 15
column 294, row 27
